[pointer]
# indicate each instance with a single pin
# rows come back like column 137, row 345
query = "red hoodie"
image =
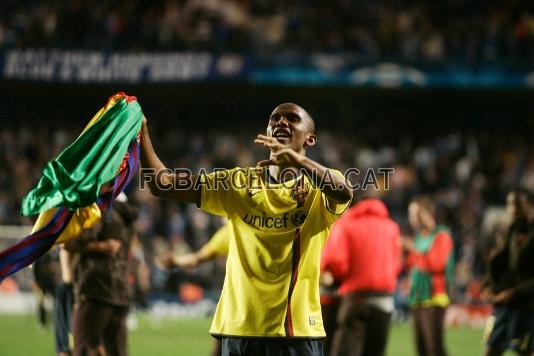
column 363, row 251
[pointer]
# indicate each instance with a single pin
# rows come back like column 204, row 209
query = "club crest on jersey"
column 298, row 218
column 300, row 192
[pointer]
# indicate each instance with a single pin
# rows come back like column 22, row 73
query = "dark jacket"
column 511, row 265
column 101, row 277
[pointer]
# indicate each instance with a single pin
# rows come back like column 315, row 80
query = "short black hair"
column 311, row 123
column 307, row 116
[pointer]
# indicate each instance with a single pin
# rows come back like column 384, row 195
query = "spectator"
column 363, row 254
column 421, row 30
column 510, row 280
column 101, row 283
column 430, row 259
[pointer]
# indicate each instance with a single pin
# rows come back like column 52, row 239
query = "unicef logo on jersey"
column 277, row 221
column 298, row 218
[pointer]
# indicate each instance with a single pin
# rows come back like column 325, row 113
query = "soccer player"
column 215, row 247
column 509, row 283
column 363, row 254
column 281, row 214
column 431, row 262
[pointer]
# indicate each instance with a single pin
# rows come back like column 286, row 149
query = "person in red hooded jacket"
column 363, row 255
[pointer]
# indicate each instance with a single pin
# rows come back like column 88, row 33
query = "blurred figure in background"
column 430, row 258
column 63, row 303
column 217, row 246
column 139, row 275
column 46, row 279
column 363, row 254
column 509, row 282
column 330, row 299
column 103, row 293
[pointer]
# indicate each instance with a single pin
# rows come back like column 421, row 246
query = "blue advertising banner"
column 77, row 66
column 101, row 67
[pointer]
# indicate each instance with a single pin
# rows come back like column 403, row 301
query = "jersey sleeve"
column 333, row 210
column 221, row 190
column 218, row 244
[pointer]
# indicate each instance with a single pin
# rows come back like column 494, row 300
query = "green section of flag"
column 75, row 177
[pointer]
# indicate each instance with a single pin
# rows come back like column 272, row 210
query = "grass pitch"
column 22, row 336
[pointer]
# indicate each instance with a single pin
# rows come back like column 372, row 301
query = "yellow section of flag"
column 83, row 218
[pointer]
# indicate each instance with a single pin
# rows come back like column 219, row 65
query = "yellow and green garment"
column 78, row 186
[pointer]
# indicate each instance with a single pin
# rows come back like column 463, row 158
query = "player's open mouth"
column 282, row 134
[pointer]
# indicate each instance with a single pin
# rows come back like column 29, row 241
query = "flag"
column 79, row 185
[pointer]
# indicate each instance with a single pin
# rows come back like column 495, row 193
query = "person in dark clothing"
column 101, row 284
column 330, row 300
column 509, row 282
column 63, row 303
column 46, row 280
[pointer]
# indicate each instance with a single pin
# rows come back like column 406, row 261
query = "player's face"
column 289, row 125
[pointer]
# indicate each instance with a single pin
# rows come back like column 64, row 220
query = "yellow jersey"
column 277, row 231
column 218, row 244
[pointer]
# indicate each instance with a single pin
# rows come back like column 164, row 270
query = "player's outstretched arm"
column 163, row 182
column 334, row 186
column 169, row 260
column 188, row 260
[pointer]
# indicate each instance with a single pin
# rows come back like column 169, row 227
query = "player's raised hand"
column 144, row 127
column 271, row 142
column 281, row 155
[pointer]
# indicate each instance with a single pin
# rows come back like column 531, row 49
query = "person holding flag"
column 281, row 213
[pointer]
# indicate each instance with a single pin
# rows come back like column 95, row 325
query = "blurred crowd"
column 468, row 176
column 411, row 30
